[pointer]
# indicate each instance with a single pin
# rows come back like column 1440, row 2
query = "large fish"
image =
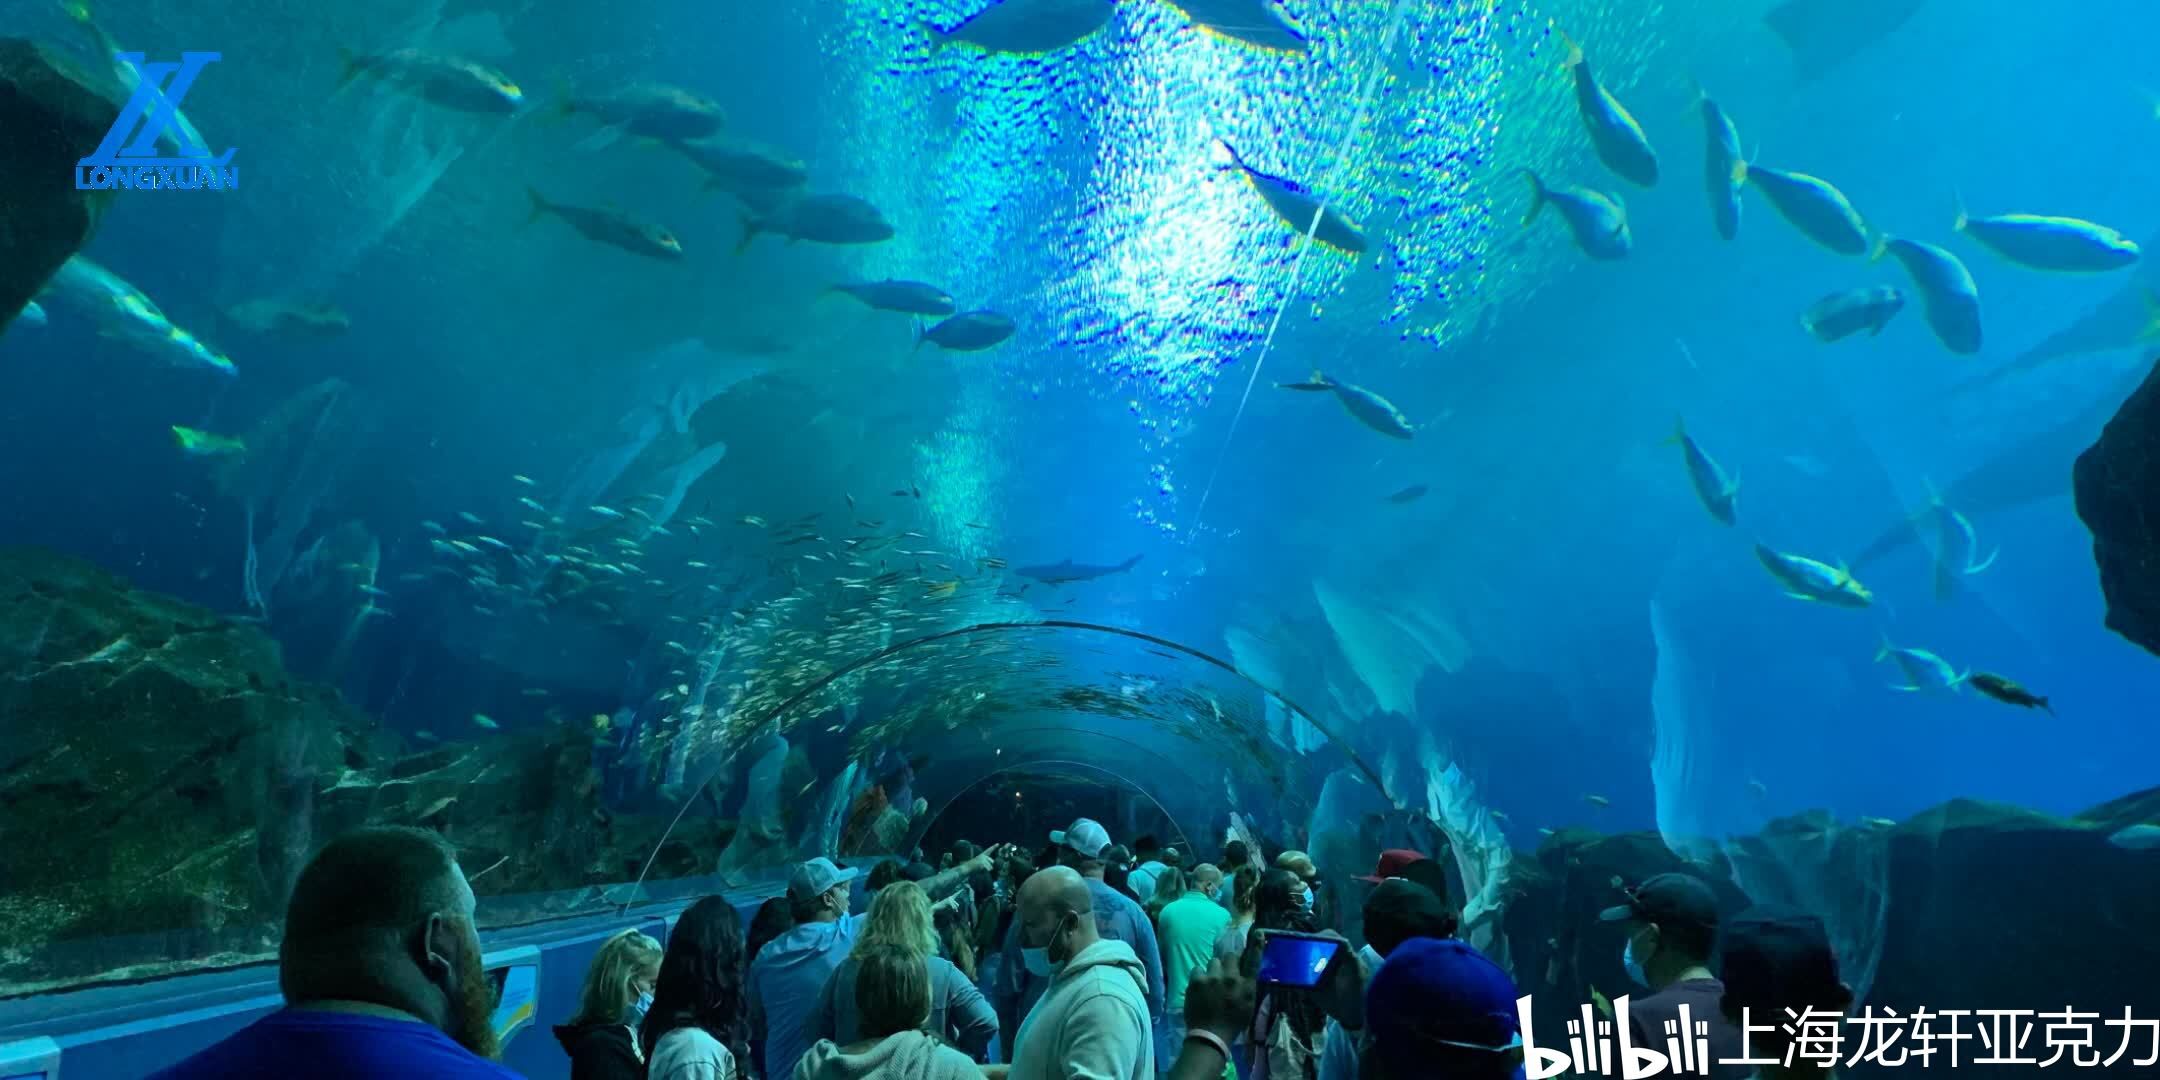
column 906, row 297
column 1721, row 173
column 122, row 312
column 180, row 136
column 1924, row 671
column 1067, row 571
column 652, row 110
column 1617, row 137
column 1812, row 204
column 1957, row 546
column 1597, row 221
column 738, row 166
column 2051, row 243
column 1718, row 492
column 1808, row 579
column 1296, row 205
column 1841, row 315
column 969, row 331
column 1027, row 26
column 1948, row 294
column 824, row 219
column 449, row 81
column 1370, row 409
column 611, row 227
column 1254, row 22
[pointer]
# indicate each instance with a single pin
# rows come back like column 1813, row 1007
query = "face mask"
column 1305, row 897
column 635, row 1014
column 1038, row 960
column 1633, row 965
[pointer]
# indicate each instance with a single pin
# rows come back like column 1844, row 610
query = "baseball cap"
column 1084, row 835
column 817, row 876
column 1434, row 991
column 1118, row 856
column 1392, row 862
column 1665, row 899
column 1779, row 957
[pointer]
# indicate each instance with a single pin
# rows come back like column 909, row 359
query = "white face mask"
column 635, row 1014
column 1305, row 897
column 1038, row 960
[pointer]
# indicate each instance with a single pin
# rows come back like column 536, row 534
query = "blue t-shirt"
column 335, row 1046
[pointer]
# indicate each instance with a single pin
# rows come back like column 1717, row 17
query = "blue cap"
column 1438, row 992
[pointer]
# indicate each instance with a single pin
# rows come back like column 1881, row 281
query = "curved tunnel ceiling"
column 1047, row 772
column 1185, row 729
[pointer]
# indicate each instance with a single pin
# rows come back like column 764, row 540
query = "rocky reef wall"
column 2118, row 497
column 163, row 778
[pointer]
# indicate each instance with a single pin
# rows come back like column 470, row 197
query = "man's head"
column 1301, row 864
column 1672, row 924
column 384, row 916
column 1171, row 856
column 1440, row 1008
column 1779, row 958
column 892, row 990
column 884, row 873
column 818, row 890
column 1080, row 845
column 1057, row 913
column 1117, row 857
column 1235, row 854
column 1400, row 909
column 1206, row 879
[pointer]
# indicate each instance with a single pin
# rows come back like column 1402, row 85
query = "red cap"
column 1392, row 862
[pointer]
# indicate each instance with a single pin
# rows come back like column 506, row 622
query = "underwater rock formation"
column 1989, row 907
column 53, row 118
column 2118, row 496
column 164, row 778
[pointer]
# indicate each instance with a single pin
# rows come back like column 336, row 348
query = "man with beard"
column 380, row 967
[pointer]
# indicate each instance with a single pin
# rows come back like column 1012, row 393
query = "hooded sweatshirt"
column 1092, row 1022
column 601, row 1051
column 783, row 987
column 907, row 1055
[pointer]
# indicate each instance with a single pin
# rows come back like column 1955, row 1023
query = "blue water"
column 1083, row 195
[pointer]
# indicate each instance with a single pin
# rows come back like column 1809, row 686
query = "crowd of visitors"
column 1084, row 961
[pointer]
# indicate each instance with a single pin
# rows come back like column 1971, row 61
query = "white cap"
column 1086, row 836
column 817, row 877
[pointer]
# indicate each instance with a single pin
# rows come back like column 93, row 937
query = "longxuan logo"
column 152, row 115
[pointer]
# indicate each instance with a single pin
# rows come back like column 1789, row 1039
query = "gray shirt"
column 959, row 1014
column 1116, row 917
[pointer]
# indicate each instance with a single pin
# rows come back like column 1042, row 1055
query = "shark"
column 1068, row 571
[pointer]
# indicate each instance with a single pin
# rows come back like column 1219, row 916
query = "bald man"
column 1092, row 1021
column 381, row 970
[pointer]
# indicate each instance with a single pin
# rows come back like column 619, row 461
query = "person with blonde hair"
column 901, row 918
column 892, row 999
column 601, row 1039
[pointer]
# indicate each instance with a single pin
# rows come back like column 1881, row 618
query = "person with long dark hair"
column 1288, row 1025
column 696, row 1028
column 772, row 920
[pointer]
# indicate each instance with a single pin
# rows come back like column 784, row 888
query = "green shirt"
column 1188, row 927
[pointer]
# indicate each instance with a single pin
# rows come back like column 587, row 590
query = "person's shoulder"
column 692, row 1042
